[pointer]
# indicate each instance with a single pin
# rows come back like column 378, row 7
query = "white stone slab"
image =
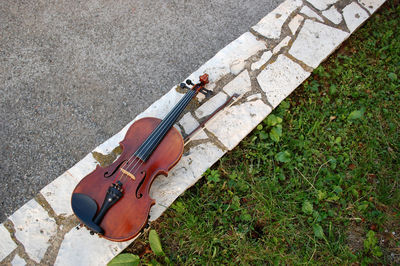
column 200, row 135
column 240, row 49
column 7, row 245
column 321, row 4
column 237, row 66
column 354, row 16
column 282, row 44
column 162, row 106
column 33, row 228
column 280, row 78
column 333, row 15
column 185, row 174
column 210, row 86
column 83, row 167
column 238, row 121
column 18, row 261
column 58, row 193
column 79, row 247
column 253, row 97
column 189, row 123
column 240, row 85
column 177, row 128
column 371, row 5
column 211, row 105
column 295, row 23
column 315, row 42
column 263, row 59
column 271, row 25
column 310, row 13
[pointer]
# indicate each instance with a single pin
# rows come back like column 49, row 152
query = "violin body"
column 114, row 201
column 129, row 215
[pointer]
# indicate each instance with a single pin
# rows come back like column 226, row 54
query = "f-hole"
column 106, row 175
column 140, row 185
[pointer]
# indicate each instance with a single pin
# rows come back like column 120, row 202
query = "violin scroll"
column 200, row 86
column 204, row 79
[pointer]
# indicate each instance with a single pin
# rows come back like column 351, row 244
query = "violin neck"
column 152, row 141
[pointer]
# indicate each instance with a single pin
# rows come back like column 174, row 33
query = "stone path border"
column 263, row 65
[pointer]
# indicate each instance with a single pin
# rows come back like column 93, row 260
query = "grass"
column 317, row 181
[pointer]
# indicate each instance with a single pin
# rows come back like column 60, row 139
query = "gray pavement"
column 73, row 73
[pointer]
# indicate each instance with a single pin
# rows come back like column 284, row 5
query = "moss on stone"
column 107, row 159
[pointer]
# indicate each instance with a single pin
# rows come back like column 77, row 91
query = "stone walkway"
column 263, row 65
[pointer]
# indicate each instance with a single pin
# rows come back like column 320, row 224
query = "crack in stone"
column 50, row 256
column 215, row 140
column 339, row 6
column 64, row 225
column 319, row 13
column 297, row 61
column 257, row 89
column 20, row 250
column 47, row 207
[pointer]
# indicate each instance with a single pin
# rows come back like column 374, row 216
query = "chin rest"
column 85, row 209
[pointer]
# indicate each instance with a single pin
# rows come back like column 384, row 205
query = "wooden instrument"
column 114, row 201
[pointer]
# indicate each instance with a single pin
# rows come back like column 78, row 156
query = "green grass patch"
column 317, row 181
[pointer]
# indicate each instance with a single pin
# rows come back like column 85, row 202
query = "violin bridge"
column 128, row 174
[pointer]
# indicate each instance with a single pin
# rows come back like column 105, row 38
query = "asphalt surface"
column 73, row 73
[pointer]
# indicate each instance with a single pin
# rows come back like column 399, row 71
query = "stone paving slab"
column 33, row 228
column 271, row 25
column 354, row 15
column 280, row 78
column 264, row 59
column 294, row 24
column 320, row 40
column 264, row 66
column 7, row 245
column 333, row 15
column 310, row 13
column 18, row 261
column 321, row 4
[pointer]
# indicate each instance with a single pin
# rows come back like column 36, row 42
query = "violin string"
column 166, row 123
column 161, row 129
column 156, row 137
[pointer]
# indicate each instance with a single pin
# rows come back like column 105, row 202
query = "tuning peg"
column 183, row 86
column 206, row 92
column 189, row 82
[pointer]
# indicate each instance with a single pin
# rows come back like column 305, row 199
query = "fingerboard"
column 152, row 141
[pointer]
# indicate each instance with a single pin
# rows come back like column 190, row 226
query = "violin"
column 114, row 201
